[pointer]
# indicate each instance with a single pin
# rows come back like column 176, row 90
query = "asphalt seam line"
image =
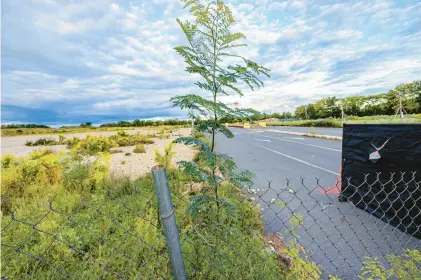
column 299, row 160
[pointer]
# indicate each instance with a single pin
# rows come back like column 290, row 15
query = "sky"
column 71, row 61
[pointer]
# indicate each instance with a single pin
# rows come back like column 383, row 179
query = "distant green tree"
column 86, row 124
column 276, row 116
column 378, row 104
column 417, row 92
column 409, row 94
column 300, row 112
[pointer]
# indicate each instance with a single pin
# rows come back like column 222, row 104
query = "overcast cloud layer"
column 68, row 61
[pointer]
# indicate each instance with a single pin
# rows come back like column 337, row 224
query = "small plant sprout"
column 165, row 159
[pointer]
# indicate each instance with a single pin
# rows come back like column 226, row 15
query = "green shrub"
column 198, row 135
column 196, row 157
column 128, row 154
column 86, row 175
column 239, row 254
column 61, row 138
column 139, row 149
column 115, row 151
column 146, row 141
column 164, row 136
column 124, row 139
column 309, row 123
column 42, row 142
column 8, row 160
column 72, row 142
column 92, row 145
column 39, row 174
column 20, row 175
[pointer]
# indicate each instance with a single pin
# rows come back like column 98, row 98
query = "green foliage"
column 142, row 123
column 210, row 46
column 301, row 267
column 379, row 104
column 280, row 203
column 92, row 145
column 313, row 130
column 199, row 203
column 11, row 126
column 72, row 142
column 8, row 160
column 123, row 139
column 86, row 124
column 39, row 174
column 337, row 123
column 103, row 214
column 61, row 130
column 210, row 41
column 61, row 138
column 407, row 266
column 309, row 123
column 165, row 159
column 85, row 174
column 43, row 142
column 128, row 154
column 139, row 149
column 164, row 136
column 198, row 135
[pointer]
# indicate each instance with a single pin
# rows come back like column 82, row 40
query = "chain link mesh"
column 309, row 230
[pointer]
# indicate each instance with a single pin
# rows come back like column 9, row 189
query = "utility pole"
column 400, row 106
column 400, row 109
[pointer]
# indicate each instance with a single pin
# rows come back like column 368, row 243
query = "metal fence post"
column 166, row 211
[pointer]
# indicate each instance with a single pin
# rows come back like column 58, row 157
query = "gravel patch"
column 135, row 164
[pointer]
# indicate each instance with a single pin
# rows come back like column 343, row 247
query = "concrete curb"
column 330, row 137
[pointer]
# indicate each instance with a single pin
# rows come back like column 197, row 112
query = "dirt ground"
column 134, row 165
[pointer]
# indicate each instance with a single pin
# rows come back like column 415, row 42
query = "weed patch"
column 43, row 142
column 139, row 149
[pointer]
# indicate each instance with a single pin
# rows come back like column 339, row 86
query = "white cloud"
column 117, row 57
column 278, row 5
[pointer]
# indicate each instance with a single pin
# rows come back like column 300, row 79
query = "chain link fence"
column 306, row 233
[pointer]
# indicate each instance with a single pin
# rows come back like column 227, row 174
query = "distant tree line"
column 138, row 123
column 31, row 125
column 378, row 104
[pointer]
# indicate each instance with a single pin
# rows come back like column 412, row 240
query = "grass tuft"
column 139, row 149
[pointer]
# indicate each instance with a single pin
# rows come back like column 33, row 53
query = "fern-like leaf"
column 198, row 203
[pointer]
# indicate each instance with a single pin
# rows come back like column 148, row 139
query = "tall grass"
column 70, row 182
